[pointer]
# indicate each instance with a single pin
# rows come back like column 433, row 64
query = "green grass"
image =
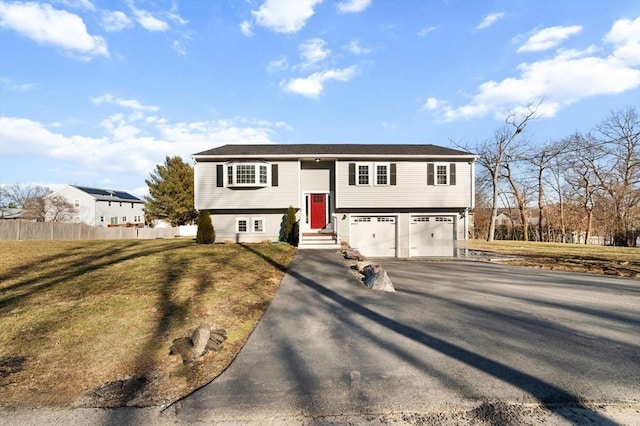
column 80, row 314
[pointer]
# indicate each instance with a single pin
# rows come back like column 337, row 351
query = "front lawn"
column 621, row 261
column 77, row 315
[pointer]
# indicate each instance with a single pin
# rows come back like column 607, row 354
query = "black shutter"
column 274, row 175
column 219, row 175
column 452, row 174
column 352, row 173
column 392, row 175
column 430, row 174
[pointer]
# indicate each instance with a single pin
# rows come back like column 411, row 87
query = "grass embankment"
column 78, row 314
column 620, row 261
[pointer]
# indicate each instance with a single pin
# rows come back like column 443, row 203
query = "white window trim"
column 369, row 174
column 375, row 174
column 256, row 174
column 253, row 225
column 247, row 220
column 435, row 174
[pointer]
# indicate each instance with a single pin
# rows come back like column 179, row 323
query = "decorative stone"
column 371, row 269
column 360, row 265
column 199, row 340
column 217, row 339
column 182, row 346
column 379, row 281
column 353, row 254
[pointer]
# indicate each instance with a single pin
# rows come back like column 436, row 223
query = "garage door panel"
column 431, row 236
column 374, row 236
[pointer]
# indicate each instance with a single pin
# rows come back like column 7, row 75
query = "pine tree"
column 206, row 234
column 291, row 230
column 171, row 192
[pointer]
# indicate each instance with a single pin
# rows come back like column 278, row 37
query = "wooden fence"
column 23, row 230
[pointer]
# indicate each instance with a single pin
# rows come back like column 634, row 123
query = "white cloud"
column 148, row 21
column 46, row 25
column 313, row 85
column 129, row 145
column 625, row 36
column 246, row 29
column 277, row 64
column 313, row 51
column 12, row 85
column 285, row 16
column 77, row 4
column 571, row 75
column 126, row 103
column 426, row 30
column 431, row 104
column 116, row 21
column 548, row 38
column 353, row 6
column 355, row 48
column 489, row 20
column 179, row 48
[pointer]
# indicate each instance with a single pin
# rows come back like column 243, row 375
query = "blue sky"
column 97, row 93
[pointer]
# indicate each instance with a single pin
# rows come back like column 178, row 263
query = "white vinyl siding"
column 411, row 189
column 98, row 212
column 316, row 177
column 208, row 196
column 226, row 226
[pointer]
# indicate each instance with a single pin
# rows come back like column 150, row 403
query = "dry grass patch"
column 77, row 315
column 620, row 261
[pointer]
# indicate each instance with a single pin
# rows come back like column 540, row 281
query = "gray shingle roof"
column 355, row 150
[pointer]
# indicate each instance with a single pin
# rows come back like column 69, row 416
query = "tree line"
column 585, row 184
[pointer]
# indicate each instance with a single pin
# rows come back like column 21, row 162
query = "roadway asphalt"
column 454, row 335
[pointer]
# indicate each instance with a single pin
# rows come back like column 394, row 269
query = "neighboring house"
column 385, row 200
column 103, row 207
column 10, row 213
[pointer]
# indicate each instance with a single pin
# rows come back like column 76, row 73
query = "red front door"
column 318, row 211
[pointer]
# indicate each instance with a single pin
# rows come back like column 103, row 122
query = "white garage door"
column 374, row 236
column 431, row 236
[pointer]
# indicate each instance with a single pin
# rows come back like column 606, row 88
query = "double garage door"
column 377, row 236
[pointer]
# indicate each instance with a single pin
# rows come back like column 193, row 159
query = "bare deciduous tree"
column 618, row 168
column 58, row 209
column 493, row 152
column 20, row 194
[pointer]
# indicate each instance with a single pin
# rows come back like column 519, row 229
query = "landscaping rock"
column 371, row 269
column 353, row 254
column 182, row 346
column 360, row 265
column 376, row 278
column 217, row 339
column 200, row 339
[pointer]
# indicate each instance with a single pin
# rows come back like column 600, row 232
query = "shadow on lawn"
column 52, row 274
column 172, row 314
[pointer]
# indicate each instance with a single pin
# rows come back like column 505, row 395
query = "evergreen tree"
column 206, row 234
column 171, row 192
column 291, row 230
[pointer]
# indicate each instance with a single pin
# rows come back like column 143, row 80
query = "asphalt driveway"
column 454, row 334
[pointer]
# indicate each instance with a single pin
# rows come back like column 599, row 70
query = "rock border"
column 371, row 274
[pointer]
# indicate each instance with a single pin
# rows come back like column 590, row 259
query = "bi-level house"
column 384, row 200
column 103, row 207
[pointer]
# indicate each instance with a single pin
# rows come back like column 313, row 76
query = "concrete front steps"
column 318, row 241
